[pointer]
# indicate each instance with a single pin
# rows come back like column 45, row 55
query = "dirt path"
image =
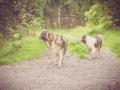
column 75, row 74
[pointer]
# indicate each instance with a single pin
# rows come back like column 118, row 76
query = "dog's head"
column 84, row 39
column 59, row 40
column 51, row 36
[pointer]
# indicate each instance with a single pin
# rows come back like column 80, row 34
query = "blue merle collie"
column 59, row 46
column 93, row 44
column 47, row 36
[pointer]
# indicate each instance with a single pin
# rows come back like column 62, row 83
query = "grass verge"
column 26, row 49
column 77, row 49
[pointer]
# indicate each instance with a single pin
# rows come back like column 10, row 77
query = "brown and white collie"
column 93, row 44
column 59, row 46
column 47, row 36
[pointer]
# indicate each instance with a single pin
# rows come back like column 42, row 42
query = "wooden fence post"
column 59, row 17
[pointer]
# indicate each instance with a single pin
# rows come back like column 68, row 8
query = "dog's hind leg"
column 90, row 57
column 62, row 61
column 91, row 53
column 98, row 51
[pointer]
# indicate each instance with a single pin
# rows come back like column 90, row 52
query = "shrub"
column 98, row 15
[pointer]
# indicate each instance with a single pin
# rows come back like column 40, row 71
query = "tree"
column 113, row 9
column 15, row 13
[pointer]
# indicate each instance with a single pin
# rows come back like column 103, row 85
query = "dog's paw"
column 59, row 66
column 90, row 58
column 99, row 56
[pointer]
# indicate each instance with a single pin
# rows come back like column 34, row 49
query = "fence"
column 71, row 21
column 57, row 18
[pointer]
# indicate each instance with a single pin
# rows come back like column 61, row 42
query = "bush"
column 98, row 15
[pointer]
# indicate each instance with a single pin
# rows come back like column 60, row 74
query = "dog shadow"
column 93, row 58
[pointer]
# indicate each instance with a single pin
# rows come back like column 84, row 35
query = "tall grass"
column 112, row 41
column 28, row 48
column 79, row 31
column 77, row 49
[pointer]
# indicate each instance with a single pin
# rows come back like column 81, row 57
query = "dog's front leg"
column 91, row 53
column 47, row 44
column 60, row 60
column 57, row 56
column 90, row 56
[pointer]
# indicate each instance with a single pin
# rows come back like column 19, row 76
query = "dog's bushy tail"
column 99, row 38
column 65, row 46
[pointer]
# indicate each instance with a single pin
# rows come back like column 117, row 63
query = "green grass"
column 111, row 38
column 26, row 49
column 77, row 49
column 78, row 32
column 112, row 41
column 31, row 47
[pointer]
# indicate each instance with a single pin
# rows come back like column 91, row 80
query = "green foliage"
column 19, row 13
column 113, row 9
column 112, row 40
column 77, row 49
column 23, row 12
column 79, row 31
column 16, row 36
column 99, row 15
column 18, row 51
column 2, row 41
column 75, row 6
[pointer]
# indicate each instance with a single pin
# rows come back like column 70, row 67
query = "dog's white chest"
column 58, row 50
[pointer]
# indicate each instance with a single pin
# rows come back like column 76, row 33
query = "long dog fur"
column 47, row 36
column 59, row 46
column 93, row 44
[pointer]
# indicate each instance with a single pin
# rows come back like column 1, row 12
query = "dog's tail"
column 100, row 37
column 65, row 46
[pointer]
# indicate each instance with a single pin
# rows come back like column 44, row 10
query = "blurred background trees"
column 105, row 13
column 18, row 16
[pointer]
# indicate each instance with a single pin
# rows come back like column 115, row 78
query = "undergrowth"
column 77, row 49
column 16, row 51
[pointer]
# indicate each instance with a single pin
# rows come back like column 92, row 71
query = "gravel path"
column 75, row 74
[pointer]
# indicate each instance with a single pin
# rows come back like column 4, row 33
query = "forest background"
column 22, row 20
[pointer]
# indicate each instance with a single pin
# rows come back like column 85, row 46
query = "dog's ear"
column 84, row 36
column 83, row 39
column 48, row 34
